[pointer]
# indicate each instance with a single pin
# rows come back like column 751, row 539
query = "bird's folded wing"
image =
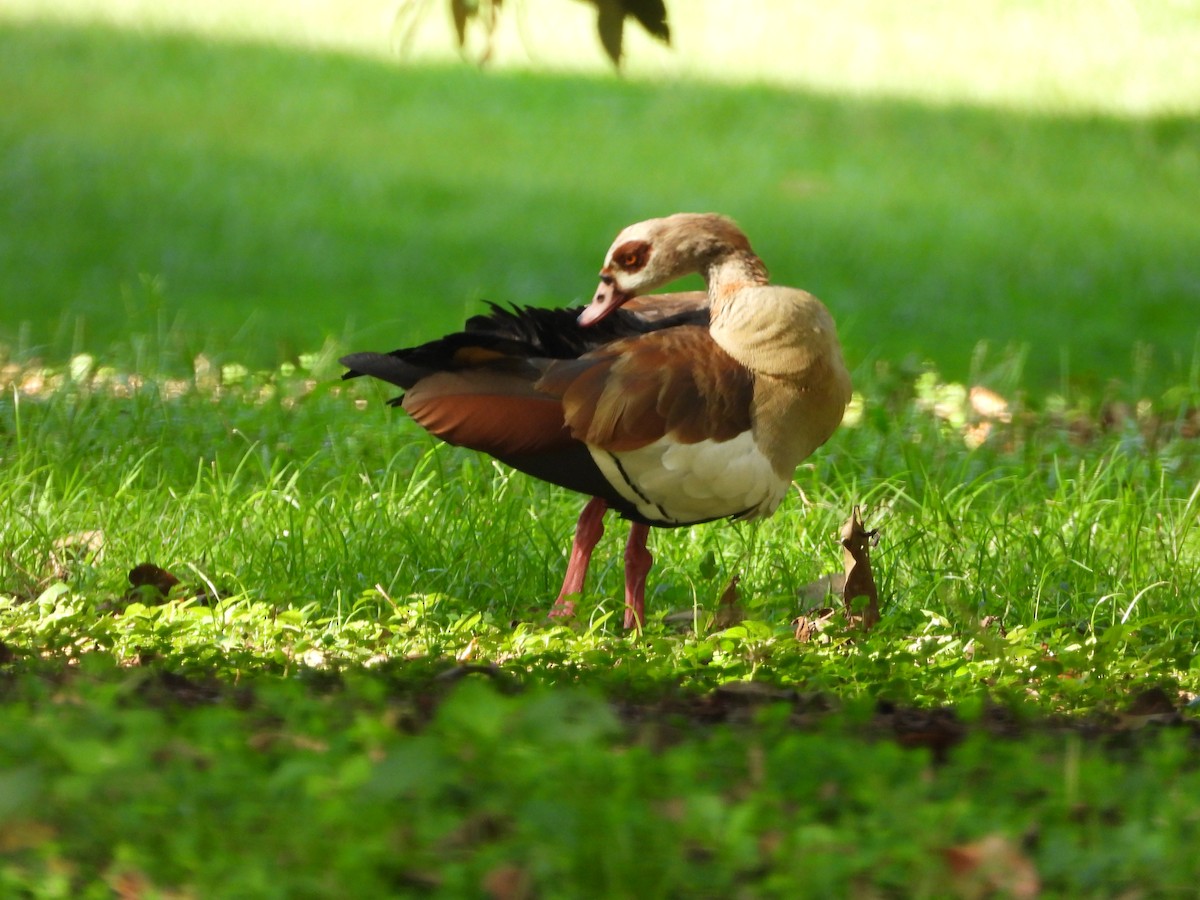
column 488, row 409
column 676, row 383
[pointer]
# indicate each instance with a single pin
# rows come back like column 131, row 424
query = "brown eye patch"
column 631, row 256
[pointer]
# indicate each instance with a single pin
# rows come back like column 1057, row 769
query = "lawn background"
column 354, row 691
column 254, row 199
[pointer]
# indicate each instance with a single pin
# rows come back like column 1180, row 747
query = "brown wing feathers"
column 528, row 333
column 529, row 386
column 487, row 410
column 490, row 395
column 633, row 392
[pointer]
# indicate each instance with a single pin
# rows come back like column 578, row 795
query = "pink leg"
column 588, row 531
column 637, row 566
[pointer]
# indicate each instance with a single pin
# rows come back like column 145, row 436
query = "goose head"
column 650, row 254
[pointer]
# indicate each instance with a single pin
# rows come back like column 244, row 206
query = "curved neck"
column 726, row 275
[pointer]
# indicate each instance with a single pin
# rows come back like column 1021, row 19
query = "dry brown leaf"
column 17, row 835
column 860, row 582
column 507, row 882
column 991, row 865
column 808, row 627
column 147, row 574
column 130, row 884
column 729, row 611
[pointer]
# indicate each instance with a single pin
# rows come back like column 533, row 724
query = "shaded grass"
column 251, row 201
column 546, row 790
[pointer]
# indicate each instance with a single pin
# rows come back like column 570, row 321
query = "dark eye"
column 632, row 256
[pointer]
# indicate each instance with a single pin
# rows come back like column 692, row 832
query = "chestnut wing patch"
column 495, row 412
column 633, row 392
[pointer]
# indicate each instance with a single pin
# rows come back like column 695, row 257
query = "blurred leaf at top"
column 610, row 21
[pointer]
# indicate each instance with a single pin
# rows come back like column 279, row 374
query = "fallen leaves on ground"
column 729, row 611
column 507, row 882
column 855, row 585
column 808, row 627
column 147, row 575
column 860, row 582
column 21, row 834
column 992, row 865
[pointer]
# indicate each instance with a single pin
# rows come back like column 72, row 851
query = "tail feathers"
column 385, row 367
column 557, row 334
column 521, row 338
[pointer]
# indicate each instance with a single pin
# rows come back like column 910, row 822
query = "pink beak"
column 608, row 300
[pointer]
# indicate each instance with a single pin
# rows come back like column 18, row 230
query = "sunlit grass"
column 289, row 489
column 1121, row 57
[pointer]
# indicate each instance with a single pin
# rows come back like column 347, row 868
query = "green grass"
column 339, row 571
column 354, row 691
column 547, row 787
column 252, row 201
column 292, row 494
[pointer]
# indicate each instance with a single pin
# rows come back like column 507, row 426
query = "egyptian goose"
column 672, row 410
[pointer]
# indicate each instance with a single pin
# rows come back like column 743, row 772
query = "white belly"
column 679, row 484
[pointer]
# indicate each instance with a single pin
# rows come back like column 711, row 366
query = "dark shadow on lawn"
column 415, row 689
